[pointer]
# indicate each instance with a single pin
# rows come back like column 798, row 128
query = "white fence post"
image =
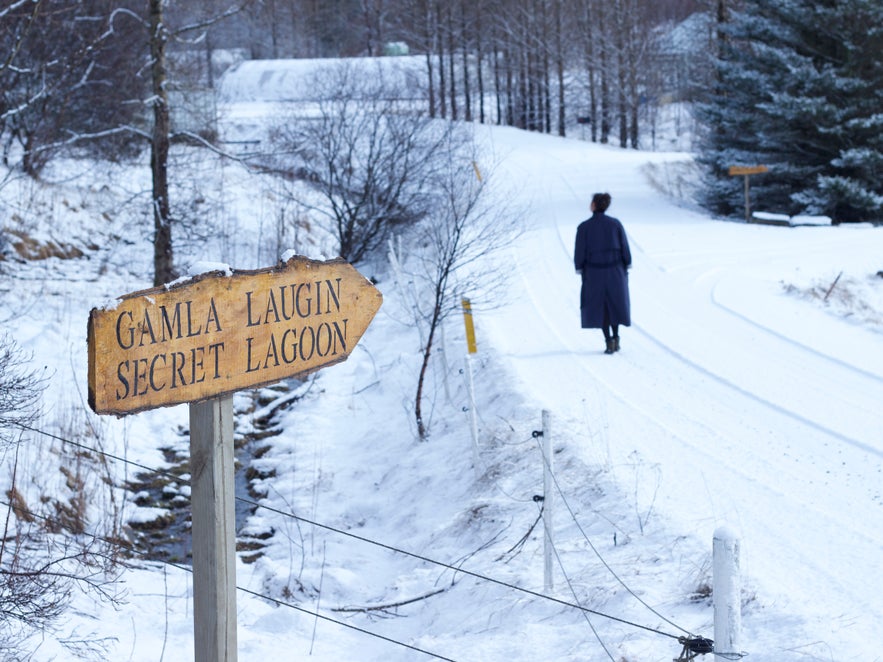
column 727, row 592
column 471, row 349
column 547, row 500
column 473, row 416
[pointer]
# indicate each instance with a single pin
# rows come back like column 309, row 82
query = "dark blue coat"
column 602, row 256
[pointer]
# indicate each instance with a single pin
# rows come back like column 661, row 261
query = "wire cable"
column 573, row 593
column 598, row 554
column 420, row 557
column 277, row 601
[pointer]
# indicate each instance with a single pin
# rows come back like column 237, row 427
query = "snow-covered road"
column 751, row 407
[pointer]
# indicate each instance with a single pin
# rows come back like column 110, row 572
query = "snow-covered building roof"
column 305, row 80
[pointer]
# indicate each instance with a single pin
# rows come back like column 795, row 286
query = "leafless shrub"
column 20, row 388
column 369, row 158
column 457, row 248
column 855, row 298
column 47, row 550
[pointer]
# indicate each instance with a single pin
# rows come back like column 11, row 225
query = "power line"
column 601, row 558
column 573, row 593
column 455, row 568
column 277, row 601
column 420, row 557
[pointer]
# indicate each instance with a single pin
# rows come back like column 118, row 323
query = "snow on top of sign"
column 291, row 253
column 204, row 267
column 199, row 268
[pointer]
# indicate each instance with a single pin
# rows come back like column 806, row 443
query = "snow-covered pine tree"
column 799, row 89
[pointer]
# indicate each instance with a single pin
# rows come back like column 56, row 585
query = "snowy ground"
column 741, row 396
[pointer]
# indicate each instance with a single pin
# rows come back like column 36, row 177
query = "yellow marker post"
column 470, row 326
column 477, row 171
column 471, row 349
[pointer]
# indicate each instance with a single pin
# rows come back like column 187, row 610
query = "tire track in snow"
column 724, row 381
column 752, row 515
column 771, row 457
column 827, row 357
column 766, row 402
column 767, row 491
column 860, row 445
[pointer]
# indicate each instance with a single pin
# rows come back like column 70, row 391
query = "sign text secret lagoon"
column 218, row 334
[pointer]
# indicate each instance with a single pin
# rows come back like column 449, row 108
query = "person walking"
column 602, row 257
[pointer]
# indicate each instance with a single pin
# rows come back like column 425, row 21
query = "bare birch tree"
column 468, row 225
column 368, row 155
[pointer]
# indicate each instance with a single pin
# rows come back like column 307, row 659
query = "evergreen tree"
column 800, row 89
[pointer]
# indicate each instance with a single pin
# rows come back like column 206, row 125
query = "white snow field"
column 758, row 409
column 741, row 397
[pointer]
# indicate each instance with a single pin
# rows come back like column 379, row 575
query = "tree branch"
column 392, row 605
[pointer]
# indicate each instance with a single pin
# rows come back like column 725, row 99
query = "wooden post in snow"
column 214, row 530
column 747, row 171
column 727, row 592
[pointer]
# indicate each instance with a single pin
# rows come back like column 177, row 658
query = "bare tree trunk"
column 510, row 87
column 525, row 92
column 621, row 71
column 429, row 74
column 633, row 94
column 465, row 45
column 424, row 366
column 163, row 256
column 605, row 84
column 479, row 60
column 209, row 71
column 636, row 25
column 429, row 37
column 499, row 93
column 452, row 61
column 547, row 70
column 440, row 41
column 274, row 27
column 559, row 68
column 591, row 52
column 372, row 13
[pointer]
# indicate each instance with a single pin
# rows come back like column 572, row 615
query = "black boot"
column 611, row 345
column 615, row 343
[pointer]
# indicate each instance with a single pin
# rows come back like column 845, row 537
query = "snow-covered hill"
column 740, row 397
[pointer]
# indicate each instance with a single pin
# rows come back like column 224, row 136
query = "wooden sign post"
column 747, row 171
column 213, row 529
column 200, row 340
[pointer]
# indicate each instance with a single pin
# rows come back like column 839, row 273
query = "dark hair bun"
column 601, row 201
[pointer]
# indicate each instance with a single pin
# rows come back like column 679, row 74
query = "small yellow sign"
column 470, row 327
column 748, row 170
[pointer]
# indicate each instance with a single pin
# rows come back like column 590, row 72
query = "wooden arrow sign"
column 221, row 332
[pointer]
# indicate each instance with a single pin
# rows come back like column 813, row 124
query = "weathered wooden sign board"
column 748, row 170
column 221, row 332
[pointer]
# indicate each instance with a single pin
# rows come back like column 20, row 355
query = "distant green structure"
column 395, row 48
